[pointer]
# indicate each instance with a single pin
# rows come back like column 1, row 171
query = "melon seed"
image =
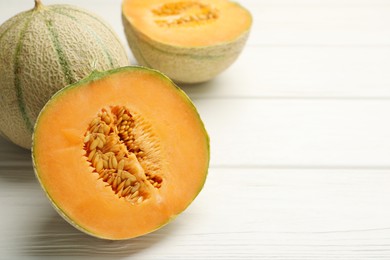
column 184, row 14
column 115, row 142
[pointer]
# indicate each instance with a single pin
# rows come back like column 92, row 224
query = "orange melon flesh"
column 232, row 20
column 68, row 179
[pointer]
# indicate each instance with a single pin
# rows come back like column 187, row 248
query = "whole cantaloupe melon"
column 41, row 51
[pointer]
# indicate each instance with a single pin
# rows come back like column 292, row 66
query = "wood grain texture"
column 320, row 24
column 300, row 145
column 302, row 72
column 264, row 214
column 297, row 132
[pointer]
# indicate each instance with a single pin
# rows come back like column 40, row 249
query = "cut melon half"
column 191, row 41
column 120, row 153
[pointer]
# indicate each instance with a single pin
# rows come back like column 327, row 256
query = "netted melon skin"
column 43, row 50
column 183, row 64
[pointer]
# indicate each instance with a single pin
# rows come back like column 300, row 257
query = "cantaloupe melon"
column 190, row 41
column 121, row 153
column 43, row 50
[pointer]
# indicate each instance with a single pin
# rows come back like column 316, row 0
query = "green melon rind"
column 89, row 15
column 97, row 38
column 69, row 77
column 17, row 68
column 183, row 64
column 67, row 9
column 95, row 76
column 14, row 21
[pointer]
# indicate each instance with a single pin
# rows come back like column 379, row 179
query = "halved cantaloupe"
column 120, row 153
column 189, row 40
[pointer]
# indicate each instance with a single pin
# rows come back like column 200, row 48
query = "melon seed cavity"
column 124, row 152
column 184, row 14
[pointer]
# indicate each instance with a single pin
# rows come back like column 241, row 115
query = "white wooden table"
column 300, row 147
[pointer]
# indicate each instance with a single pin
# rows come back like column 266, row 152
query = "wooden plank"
column 245, row 214
column 327, row 72
column 297, row 133
column 320, row 25
column 286, row 133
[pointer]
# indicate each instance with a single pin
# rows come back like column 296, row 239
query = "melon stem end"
column 38, row 4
